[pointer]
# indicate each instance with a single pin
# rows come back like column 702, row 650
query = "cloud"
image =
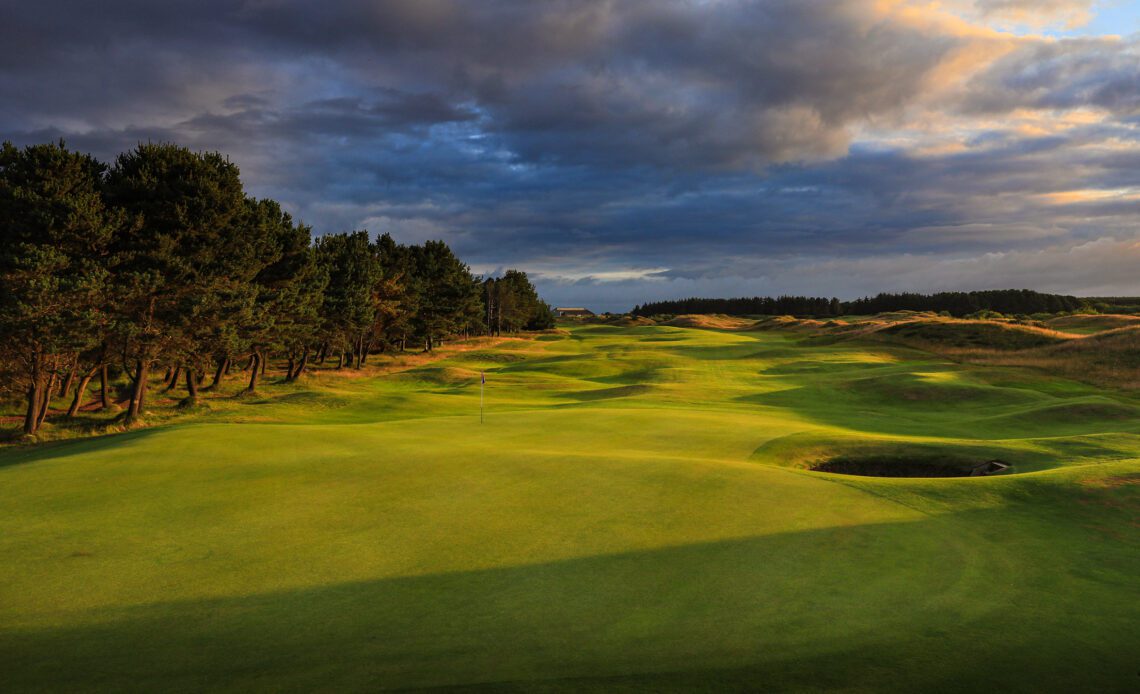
column 667, row 83
column 1060, row 75
column 624, row 148
column 1037, row 13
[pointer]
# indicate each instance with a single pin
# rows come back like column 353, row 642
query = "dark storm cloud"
column 717, row 84
column 666, row 146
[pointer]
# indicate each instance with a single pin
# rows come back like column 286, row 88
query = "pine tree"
column 176, row 257
column 54, row 231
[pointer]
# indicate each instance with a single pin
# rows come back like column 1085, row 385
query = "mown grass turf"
column 634, row 515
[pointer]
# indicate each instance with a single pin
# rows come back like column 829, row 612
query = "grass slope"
column 634, row 516
column 1089, row 324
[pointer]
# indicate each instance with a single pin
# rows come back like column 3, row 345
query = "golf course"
column 636, row 511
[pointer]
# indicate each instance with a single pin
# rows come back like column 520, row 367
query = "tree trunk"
column 45, row 400
column 173, row 379
column 166, row 376
column 145, row 390
column 191, row 388
column 261, row 360
column 35, row 393
column 66, row 387
column 80, row 390
column 289, row 365
column 254, row 372
column 138, row 392
column 340, row 359
column 104, row 399
column 220, row 372
column 490, row 308
column 301, row 366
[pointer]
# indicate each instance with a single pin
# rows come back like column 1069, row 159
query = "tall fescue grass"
column 1109, row 357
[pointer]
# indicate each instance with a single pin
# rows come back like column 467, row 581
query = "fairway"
column 637, row 513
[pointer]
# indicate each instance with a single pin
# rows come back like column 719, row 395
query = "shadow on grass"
column 49, row 450
column 607, row 393
column 899, row 606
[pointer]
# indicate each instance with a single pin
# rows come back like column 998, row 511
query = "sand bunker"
column 894, row 467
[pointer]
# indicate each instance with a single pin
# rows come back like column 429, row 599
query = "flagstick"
column 482, row 382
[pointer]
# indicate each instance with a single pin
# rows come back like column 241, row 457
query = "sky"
column 623, row 151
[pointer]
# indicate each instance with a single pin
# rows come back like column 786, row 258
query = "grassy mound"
column 1088, row 324
column 623, row 321
column 961, row 334
column 936, row 389
column 441, row 375
column 486, row 356
column 1119, row 348
column 787, row 323
column 609, row 393
column 1072, row 417
column 710, row 322
column 1110, row 358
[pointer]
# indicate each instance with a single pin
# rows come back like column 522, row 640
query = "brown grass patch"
column 1115, row 482
column 1110, row 358
column 632, row 321
column 710, row 322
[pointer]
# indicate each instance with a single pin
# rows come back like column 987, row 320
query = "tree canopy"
column 1008, row 301
column 163, row 260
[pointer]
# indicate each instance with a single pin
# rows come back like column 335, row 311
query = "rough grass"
column 990, row 335
column 634, row 515
column 710, row 322
column 1110, row 358
column 1088, row 324
column 1093, row 349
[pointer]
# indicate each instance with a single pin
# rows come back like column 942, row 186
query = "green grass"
column 636, row 514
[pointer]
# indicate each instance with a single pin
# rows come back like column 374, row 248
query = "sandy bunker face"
column 884, row 466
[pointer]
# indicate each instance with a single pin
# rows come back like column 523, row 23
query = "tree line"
column 1008, row 301
column 162, row 260
column 1115, row 304
column 745, row 306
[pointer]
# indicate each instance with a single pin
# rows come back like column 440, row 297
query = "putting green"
column 633, row 515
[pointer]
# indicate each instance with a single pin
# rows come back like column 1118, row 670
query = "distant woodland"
column 958, row 304
column 161, row 260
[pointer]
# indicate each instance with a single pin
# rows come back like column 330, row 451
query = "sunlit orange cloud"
column 1074, row 197
column 1044, row 123
column 926, row 15
column 931, row 132
column 925, row 124
column 1022, row 16
column 979, row 44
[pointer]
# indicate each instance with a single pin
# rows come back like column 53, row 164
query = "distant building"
column 566, row 312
